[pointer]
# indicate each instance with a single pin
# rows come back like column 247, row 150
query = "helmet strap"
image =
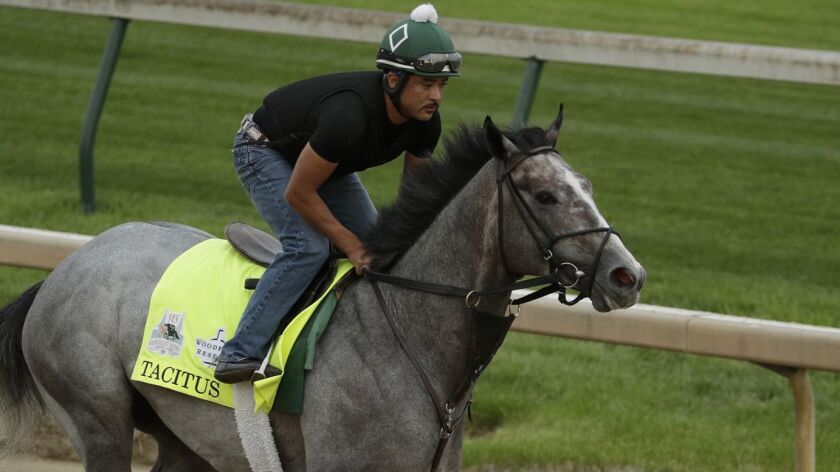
column 395, row 92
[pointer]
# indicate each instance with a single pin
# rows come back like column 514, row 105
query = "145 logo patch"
column 167, row 337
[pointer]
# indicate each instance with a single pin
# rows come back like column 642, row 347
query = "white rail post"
column 803, row 398
column 804, row 425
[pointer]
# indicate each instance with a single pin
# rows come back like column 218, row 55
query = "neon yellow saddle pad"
column 195, row 308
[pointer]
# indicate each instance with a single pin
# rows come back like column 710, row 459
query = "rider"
column 297, row 155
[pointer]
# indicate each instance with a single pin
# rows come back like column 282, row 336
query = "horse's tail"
column 20, row 404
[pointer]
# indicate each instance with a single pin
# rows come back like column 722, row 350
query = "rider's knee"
column 314, row 252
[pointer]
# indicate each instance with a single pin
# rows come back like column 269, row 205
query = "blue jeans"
column 264, row 175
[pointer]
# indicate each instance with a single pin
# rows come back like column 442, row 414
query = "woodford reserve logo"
column 207, row 350
column 168, row 336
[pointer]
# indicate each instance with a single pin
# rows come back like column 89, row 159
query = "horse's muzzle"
column 618, row 287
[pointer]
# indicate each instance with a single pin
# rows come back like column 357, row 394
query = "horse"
column 495, row 207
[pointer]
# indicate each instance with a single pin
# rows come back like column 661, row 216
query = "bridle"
column 555, row 265
column 489, row 330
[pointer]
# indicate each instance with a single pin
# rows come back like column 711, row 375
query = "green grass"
column 549, row 401
column 802, row 24
column 726, row 189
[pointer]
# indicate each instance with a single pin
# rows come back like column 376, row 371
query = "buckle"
column 448, row 426
column 251, row 129
column 467, row 300
column 253, row 132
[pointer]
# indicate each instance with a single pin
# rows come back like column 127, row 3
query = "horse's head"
column 549, row 221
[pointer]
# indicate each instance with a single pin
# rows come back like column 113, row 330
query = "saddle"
column 262, row 248
column 255, row 244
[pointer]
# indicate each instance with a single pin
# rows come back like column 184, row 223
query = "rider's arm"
column 310, row 172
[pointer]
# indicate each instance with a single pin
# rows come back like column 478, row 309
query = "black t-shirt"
column 343, row 118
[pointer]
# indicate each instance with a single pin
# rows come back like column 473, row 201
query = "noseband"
column 556, row 267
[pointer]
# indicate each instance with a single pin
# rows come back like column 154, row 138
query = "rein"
column 485, row 344
column 488, row 340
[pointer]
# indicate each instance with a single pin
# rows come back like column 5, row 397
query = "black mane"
column 426, row 191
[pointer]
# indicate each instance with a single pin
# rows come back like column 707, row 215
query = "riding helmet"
column 419, row 46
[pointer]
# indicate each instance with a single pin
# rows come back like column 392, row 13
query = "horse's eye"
column 546, row 198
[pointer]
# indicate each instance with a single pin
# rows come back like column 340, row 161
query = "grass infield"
column 725, row 189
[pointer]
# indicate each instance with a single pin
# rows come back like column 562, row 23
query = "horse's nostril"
column 622, row 277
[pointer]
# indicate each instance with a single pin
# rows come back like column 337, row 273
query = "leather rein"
column 494, row 328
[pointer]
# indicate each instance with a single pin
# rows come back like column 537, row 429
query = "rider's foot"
column 236, row 371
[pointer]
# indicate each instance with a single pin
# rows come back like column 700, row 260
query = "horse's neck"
column 458, row 249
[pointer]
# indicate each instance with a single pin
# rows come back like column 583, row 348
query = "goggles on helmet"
column 431, row 63
column 436, row 62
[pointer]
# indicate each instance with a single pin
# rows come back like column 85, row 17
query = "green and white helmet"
column 419, row 46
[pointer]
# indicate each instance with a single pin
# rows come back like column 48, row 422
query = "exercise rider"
column 297, row 156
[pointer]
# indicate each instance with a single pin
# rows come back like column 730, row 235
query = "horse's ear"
column 554, row 128
column 500, row 146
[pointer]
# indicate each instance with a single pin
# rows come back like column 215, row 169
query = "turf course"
column 726, row 189
column 808, row 24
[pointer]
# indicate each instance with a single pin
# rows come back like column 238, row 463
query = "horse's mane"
column 424, row 192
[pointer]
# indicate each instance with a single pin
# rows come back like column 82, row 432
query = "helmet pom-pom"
column 425, row 12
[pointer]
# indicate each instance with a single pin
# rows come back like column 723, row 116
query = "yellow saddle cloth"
column 196, row 307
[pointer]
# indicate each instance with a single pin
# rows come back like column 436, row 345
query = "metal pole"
column 94, row 110
column 527, row 90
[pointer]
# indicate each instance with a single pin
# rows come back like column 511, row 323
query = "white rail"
column 36, row 248
column 760, row 341
column 786, row 348
column 500, row 39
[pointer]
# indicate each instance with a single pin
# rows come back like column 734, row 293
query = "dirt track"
column 29, row 463
column 50, row 451
column 26, row 463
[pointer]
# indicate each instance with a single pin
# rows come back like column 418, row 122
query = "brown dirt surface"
column 50, row 444
column 30, row 463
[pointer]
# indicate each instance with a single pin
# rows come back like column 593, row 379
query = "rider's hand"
column 359, row 257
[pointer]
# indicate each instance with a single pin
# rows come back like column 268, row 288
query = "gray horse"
column 69, row 344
